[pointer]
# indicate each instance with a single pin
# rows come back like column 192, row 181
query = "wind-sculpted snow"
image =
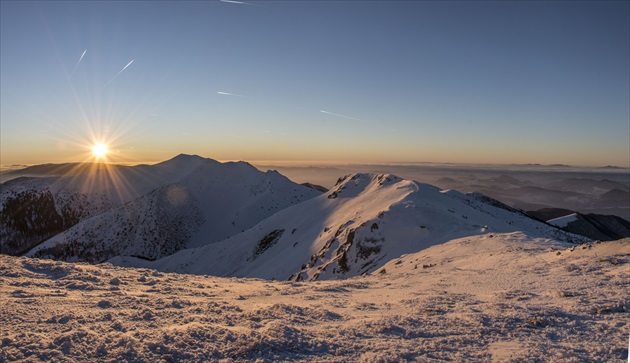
column 359, row 225
column 487, row 298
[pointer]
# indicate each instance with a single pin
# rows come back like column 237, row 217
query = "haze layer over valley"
column 600, row 190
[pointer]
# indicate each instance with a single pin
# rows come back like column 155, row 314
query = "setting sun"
column 99, row 150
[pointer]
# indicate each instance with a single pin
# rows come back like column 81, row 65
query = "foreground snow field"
column 501, row 297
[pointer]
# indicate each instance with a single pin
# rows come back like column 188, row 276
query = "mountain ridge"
column 592, row 225
column 119, row 192
column 357, row 226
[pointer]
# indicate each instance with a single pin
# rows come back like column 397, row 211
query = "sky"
column 357, row 81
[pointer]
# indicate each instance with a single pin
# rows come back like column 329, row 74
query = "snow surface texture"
column 505, row 297
column 359, row 225
column 144, row 211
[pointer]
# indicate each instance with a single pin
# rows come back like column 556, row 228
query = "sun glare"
column 99, row 151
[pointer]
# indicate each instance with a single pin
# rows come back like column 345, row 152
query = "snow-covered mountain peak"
column 187, row 201
column 183, row 164
column 363, row 222
column 185, row 158
column 352, row 185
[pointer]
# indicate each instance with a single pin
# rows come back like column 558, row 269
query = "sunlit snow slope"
column 505, row 298
column 359, row 225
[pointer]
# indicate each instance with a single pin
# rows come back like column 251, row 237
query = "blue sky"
column 477, row 82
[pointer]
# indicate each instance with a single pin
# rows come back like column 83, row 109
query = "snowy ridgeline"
column 356, row 227
column 99, row 212
column 486, row 298
column 196, row 215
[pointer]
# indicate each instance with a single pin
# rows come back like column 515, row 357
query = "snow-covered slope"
column 152, row 226
column 33, row 209
column 505, row 298
column 96, row 211
column 359, row 225
column 209, row 202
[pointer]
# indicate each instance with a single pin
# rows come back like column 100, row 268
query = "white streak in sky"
column 75, row 67
column 338, row 115
column 237, row 2
column 117, row 74
column 231, row 94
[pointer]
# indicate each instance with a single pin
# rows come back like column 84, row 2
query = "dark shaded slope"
column 595, row 226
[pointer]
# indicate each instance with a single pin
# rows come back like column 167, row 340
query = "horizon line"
column 305, row 162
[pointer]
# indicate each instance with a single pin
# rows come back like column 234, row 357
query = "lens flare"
column 99, row 150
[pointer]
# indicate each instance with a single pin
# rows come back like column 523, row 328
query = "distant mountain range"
column 99, row 211
column 586, row 195
column 197, row 215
